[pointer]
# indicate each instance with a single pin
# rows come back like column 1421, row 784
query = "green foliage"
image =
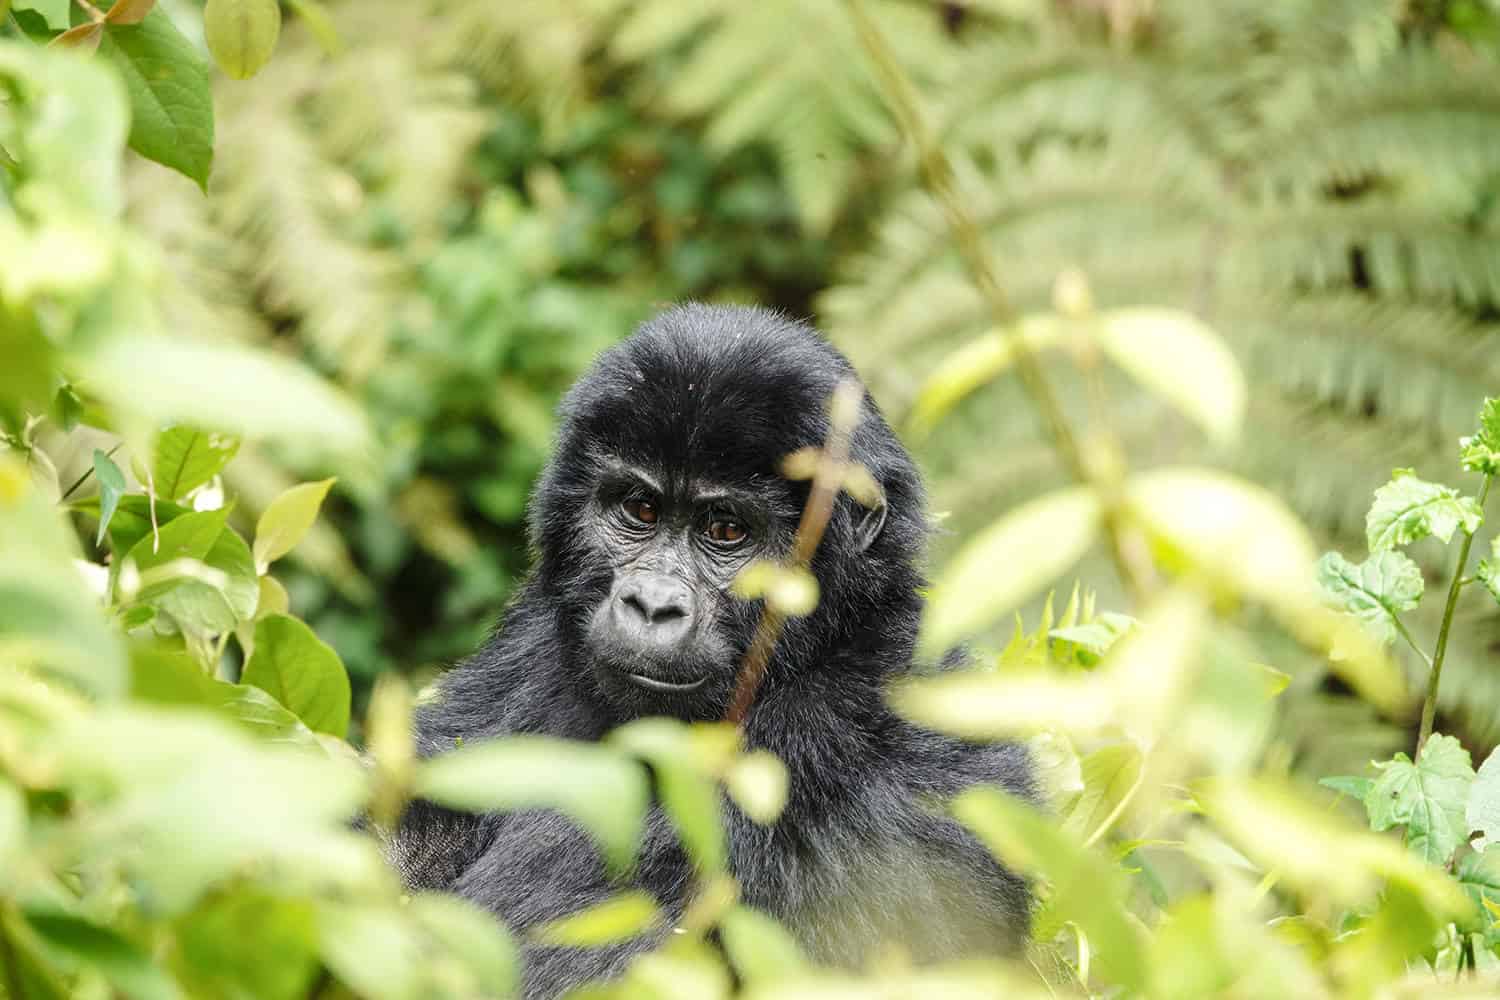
column 1376, row 591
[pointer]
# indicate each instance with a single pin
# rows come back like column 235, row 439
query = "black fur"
column 860, row 858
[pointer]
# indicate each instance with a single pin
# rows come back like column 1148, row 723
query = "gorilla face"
column 667, row 634
column 665, row 483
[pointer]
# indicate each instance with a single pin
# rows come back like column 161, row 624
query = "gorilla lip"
column 656, row 685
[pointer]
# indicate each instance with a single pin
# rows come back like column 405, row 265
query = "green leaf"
column 683, row 762
column 974, row 366
column 1481, row 452
column 298, row 669
column 216, row 601
column 1489, row 569
column 76, row 943
column 171, row 102
column 621, row 917
column 1427, row 797
column 54, row 12
column 1086, row 888
column 189, row 536
column 186, row 458
column 760, row 949
column 1375, row 591
column 474, row 938
column 1036, row 541
column 286, row 519
column 1091, row 640
column 222, row 946
column 602, row 790
column 758, row 784
column 1478, row 873
column 1178, row 357
column 1354, row 787
column 790, row 590
column 111, row 488
column 1483, row 810
column 1110, row 775
column 168, row 676
column 1407, row 509
column 254, row 393
column 241, row 34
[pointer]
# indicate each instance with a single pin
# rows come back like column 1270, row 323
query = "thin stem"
column 1401, row 631
column 1466, row 958
column 940, row 180
column 827, row 481
column 1429, row 705
column 86, row 473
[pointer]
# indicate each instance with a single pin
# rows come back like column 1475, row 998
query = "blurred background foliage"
column 498, row 192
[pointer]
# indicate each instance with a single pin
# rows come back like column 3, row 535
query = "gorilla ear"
column 870, row 525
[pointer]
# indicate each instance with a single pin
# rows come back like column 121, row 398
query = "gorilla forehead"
column 723, row 391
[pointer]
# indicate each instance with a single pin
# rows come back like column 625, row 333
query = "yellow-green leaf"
column 241, row 34
column 298, row 669
column 286, row 519
column 618, row 918
column 975, row 365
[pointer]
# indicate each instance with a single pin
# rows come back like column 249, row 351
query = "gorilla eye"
column 643, row 511
column 726, row 531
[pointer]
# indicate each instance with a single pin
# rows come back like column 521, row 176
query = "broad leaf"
column 186, row 458
column 1428, row 797
column 1007, row 563
column 76, row 943
column 1110, row 774
column 759, row 948
column 1375, row 591
column 1478, row 872
column 222, row 946
column 54, row 12
column 602, row 790
column 1354, row 787
column 111, row 488
column 212, row 602
column 187, row 537
column 621, row 917
column 171, row 103
column 286, row 519
column 1483, row 811
column 298, row 669
column 1481, row 452
column 1407, row 509
column 241, row 34
column 488, row 957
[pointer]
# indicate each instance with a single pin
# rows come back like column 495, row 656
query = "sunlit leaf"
column 1008, row 562
column 604, row 791
column 1428, row 797
column 758, row 784
column 254, row 393
column 241, row 34
column 223, row 946
column 1177, row 356
column 791, row 590
column 186, row 458
column 129, row 11
column 619, row 918
column 974, row 366
column 111, row 488
column 1481, row 451
column 473, row 937
column 298, row 669
column 1483, row 810
column 1407, row 509
column 1110, row 775
column 81, row 38
column 286, row 519
column 1086, row 888
column 1376, row 591
column 171, row 103
column 760, row 949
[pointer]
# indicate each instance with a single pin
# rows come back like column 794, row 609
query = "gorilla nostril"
column 656, row 601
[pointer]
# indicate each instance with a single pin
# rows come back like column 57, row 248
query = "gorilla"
column 664, row 484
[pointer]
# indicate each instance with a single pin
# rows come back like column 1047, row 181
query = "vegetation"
column 1240, row 255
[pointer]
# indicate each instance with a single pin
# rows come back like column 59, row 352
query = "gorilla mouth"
column 658, row 685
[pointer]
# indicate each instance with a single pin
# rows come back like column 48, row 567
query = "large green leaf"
column 1478, row 872
column 187, row 457
column 603, row 790
column 1428, row 797
column 1375, row 591
column 1407, row 509
column 217, row 598
column 171, row 101
column 222, row 947
column 298, row 669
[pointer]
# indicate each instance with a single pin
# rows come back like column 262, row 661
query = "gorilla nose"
column 654, row 604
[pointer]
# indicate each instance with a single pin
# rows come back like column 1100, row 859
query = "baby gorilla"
column 664, row 485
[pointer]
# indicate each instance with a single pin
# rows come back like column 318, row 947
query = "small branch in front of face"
column 828, row 479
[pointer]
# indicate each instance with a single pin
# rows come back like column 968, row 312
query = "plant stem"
column 10, row 965
column 942, row 183
column 86, row 473
column 1429, row 705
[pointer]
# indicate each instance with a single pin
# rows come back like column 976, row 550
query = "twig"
column 1429, row 704
column 827, row 481
column 937, row 174
column 86, row 473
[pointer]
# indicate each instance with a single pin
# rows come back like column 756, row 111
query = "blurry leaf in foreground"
column 300, row 671
column 1428, row 797
column 1376, row 591
column 1006, row 563
column 975, row 365
column 473, row 937
column 602, row 790
column 759, row 948
column 241, row 34
column 1407, row 509
column 1085, row 887
column 621, row 917
column 222, row 946
column 1177, row 356
column 256, row 394
column 77, row 943
column 758, row 784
